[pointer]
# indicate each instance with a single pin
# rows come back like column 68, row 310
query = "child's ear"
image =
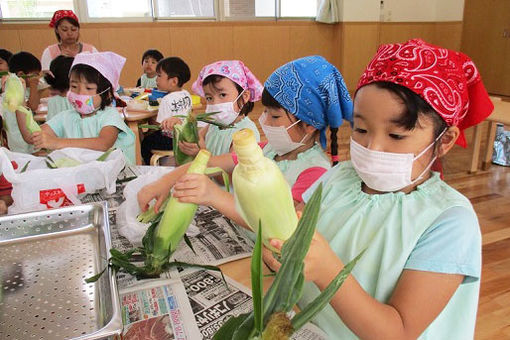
column 246, row 96
column 448, row 140
column 174, row 81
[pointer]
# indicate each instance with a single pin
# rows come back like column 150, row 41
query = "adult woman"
column 67, row 30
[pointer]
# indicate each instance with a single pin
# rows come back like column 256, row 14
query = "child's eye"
column 223, row 95
column 360, row 130
column 397, row 137
column 208, row 99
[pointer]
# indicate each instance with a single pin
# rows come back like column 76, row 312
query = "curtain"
column 328, row 11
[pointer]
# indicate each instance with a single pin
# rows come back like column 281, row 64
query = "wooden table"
column 501, row 114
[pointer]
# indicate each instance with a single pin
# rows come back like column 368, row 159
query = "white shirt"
column 174, row 103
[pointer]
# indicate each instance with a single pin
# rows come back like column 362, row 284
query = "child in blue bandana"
column 301, row 99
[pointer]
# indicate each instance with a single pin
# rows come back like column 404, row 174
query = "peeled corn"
column 15, row 98
column 261, row 191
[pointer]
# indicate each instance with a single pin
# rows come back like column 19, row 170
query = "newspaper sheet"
column 157, row 310
column 213, row 303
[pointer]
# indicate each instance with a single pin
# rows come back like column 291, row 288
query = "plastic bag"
column 127, row 212
column 501, row 154
column 39, row 187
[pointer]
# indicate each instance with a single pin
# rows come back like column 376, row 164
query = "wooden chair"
column 157, row 155
column 501, row 114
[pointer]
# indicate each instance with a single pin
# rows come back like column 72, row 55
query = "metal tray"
column 44, row 258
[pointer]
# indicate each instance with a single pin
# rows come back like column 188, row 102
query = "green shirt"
column 218, row 141
column 69, row 124
column 57, row 104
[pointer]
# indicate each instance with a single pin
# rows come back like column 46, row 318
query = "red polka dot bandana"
column 447, row 80
column 61, row 14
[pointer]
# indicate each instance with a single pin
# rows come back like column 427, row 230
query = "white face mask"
column 386, row 171
column 226, row 114
column 278, row 137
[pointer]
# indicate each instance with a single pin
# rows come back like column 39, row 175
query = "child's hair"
column 154, row 54
column 216, row 78
column 60, row 67
column 91, row 75
column 25, row 62
column 269, row 101
column 70, row 20
column 5, row 54
column 414, row 107
column 175, row 67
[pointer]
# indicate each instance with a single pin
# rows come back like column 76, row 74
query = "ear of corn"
column 188, row 132
column 14, row 93
column 261, row 191
column 163, row 235
column 15, row 98
column 286, row 288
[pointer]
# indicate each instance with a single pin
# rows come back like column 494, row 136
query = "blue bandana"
column 314, row 91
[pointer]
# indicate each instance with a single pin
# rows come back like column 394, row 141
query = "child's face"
column 279, row 117
column 3, row 65
column 149, row 66
column 375, row 114
column 80, row 85
column 166, row 83
column 68, row 32
column 223, row 91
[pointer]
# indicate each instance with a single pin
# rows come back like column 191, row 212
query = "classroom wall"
column 263, row 45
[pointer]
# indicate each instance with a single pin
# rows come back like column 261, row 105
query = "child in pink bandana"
column 92, row 123
column 229, row 88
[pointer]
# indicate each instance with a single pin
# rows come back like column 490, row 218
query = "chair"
column 157, row 155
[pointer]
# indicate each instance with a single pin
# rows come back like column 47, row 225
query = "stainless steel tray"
column 44, row 258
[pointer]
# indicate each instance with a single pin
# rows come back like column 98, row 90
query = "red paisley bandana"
column 447, row 80
column 61, row 14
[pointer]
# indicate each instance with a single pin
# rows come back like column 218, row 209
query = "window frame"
column 81, row 9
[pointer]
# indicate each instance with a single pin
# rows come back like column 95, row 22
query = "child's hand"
column 151, row 191
column 168, row 124
column 33, row 81
column 320, row 261
column 196, row 188
column 190, row 149
column 43, row 140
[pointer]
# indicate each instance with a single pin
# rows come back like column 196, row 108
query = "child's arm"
column 49, row 140
column 160, row 189
column 34, row 98
column 200, row 189
column 417, row 300
column 21, row 119
column 168, row 124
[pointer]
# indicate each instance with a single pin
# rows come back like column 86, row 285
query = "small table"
column 501, row 114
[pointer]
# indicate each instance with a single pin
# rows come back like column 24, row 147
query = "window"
column 119, row 8
column 30, row 9
column 185, row 9
column 145, row 10
column 248, row 9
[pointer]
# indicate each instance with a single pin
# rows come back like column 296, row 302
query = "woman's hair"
column 5, row 55
column 60, row 67
column 216, row 78
column 69, row 20
column 414, row 107
column 269, row 101
column 91, row 75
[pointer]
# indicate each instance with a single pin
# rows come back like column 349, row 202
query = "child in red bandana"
column 420, row 274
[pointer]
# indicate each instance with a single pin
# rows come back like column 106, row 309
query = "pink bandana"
column 447, row 80
column 109, row 64
column 234, row 70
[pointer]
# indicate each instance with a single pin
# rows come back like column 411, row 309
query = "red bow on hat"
column 447, row 80
column 60, row 14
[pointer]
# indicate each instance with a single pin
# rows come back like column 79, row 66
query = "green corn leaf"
column 246, row 330
column 279, row 295
column 314, row 307
column 189, row 244
column 50, row 165
column 224, row 175
column 105, row 155
column 24, row 167
column 150, row 126
column 96, row 277
column 228, row 329
column 256, row 281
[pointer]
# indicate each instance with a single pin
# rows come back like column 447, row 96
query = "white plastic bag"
column 40, row 187
column 127, row 224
